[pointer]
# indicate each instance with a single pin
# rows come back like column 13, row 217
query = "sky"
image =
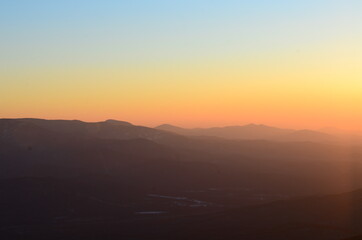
column 193, row 63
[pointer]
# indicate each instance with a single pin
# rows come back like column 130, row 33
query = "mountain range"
column 68, row 179
column 252, row 132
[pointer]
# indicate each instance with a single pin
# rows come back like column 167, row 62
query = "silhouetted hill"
column 110, row 129
column 252, row 132
column 171, row 128
column 71, row 148
column 308, row 136
column 64, row 179
column 117, row 122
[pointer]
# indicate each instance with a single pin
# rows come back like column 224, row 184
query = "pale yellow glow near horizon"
column 294, row 64
column 300, row 90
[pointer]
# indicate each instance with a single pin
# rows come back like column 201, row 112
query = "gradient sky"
column 186, row 62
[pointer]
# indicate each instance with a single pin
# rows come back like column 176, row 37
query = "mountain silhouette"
column 68, row 179
column 252, row 132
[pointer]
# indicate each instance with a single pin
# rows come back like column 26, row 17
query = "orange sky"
column 286, row 94
column 295, row 65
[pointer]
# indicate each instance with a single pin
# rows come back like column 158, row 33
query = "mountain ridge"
column 252, row 132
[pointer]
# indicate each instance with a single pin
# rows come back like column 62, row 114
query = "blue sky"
column 188, row 62
column 78, row 31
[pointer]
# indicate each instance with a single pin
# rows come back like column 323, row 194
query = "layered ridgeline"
column 35, row 147
column 76, row 175
column 253, row 132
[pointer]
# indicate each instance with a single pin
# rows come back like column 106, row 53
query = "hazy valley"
column 72, row 179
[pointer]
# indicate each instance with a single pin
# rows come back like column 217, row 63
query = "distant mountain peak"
column 168, row 127
column 256, row 125
column 117, row 122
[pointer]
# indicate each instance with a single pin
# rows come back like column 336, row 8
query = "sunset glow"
column 210, row 63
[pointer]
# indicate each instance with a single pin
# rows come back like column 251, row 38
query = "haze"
column 181, row 119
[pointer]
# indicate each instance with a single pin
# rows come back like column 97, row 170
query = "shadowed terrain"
column 73, row 180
